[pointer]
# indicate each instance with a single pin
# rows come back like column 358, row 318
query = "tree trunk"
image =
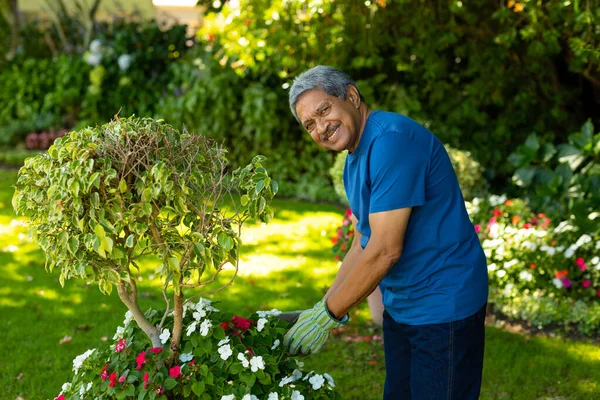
column 129, row 298
column 177, row 326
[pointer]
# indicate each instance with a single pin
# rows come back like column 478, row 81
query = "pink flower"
column 586, row 284
column 120, row 346
column 146, row 376
column 60, row 397
column 175, row 371
column 104, row 372
column 140, row 360
column 159, row 390
column 491, row 222
column 346, row 222
column 581, row 262
column 122, row 378
column 155, row 350
column 113, row 379
column 477, row 228
column 566, row 282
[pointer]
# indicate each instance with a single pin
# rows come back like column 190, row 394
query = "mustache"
column 330, row 131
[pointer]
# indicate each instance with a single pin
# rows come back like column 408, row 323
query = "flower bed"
column 223, row 356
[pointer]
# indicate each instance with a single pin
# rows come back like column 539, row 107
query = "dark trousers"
column 436, row 361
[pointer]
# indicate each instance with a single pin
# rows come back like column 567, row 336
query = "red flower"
column 337, row 258
column 175, row 371
column 526, row 226
column 598, row 293
column 477, row 228
column 140, row 360
column 372, row 362
column 561, row 274
column 224, row 325
column 146, row 376
column 250, row 351
column 349, row 213
column 497, row 213
column 120, row 346
column 334, row 239
column 340, row 233
column 155, row 350
column 113, row 379
column 159, row 390
column 104, row 372
column 532, row 266
column 192, row 362
column 581, row 263
column 60, row 397
column 241, row 323
column 545, row 223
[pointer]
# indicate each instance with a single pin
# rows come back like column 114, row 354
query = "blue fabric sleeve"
column 397, row 171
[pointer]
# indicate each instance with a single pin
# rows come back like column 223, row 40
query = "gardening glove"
column 311, row 331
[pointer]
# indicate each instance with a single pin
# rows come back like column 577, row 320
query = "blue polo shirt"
column 441, row 275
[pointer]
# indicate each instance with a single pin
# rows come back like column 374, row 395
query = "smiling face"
column 333, row 123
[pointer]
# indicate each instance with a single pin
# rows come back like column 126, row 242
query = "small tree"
column 101, row 198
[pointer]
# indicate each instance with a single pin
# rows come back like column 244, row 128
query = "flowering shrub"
column 526, row 252
column 223, row 357
column 344, row 236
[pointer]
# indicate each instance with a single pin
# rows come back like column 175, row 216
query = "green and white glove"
column 310, row 333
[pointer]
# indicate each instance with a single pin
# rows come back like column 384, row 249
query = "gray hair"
column 332, row 81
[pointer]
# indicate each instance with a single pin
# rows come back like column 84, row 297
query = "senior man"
column 413, row 238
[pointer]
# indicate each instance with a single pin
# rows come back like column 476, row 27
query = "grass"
column 286, row 264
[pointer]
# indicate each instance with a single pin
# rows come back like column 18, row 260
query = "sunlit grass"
column 287, row 265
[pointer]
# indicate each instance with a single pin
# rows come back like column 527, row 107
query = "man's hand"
column 311, row 331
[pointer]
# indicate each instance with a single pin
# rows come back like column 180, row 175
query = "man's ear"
column 353, row 95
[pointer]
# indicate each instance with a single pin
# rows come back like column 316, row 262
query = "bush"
column 223, row 357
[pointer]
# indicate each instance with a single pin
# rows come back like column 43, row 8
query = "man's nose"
column 322, row 127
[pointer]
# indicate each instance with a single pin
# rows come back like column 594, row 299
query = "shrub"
column 223, row 356
column 101, row 198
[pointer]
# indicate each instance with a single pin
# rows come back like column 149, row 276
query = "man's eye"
column 325, row 109
column 309, row 126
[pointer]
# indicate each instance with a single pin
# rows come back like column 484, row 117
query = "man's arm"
column 372, row 263
column 349, row 260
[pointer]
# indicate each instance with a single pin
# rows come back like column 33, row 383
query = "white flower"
column 84, row 388
column 488, row 252
column 529, row 245
column 124, row 61
column 265, row 314
column 595, row 260
column 526, row 275
column 204, row 304
column 297, row 396
column 273, row 396
column 185, row 357
column 597, row 244
column 257, row 363
column 583, row 240
column 549, row 250
column 570, row 251
column 329, row 379
column 66, row 386
column 510, row 263
column 95, row 46
column 205, row 327
column 198, row 315
column 78, row 361
column 243, row 359
column 508, row 289
column 224, row 341
column 558, row 283
column 228, row 397
column 316, row 381
column 128, row 318
column 494, row 231
column 497, row 200
column 501, row 273
column 249, row 397
column 164, row 336
column 93, row 59
column 225, row 351
column 563, row 227
column 191, row 328
column 275, row 344
column 119, row 333
column 261, row 324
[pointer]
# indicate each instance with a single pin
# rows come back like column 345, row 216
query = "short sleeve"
column 397, row 171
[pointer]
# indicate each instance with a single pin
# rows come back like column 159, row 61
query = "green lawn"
column 286, row 264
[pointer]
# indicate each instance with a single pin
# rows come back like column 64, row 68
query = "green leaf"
column 274, row 187
column 523, row 176
column 169, row 383
column 244, row 200
column 199, row 249
column 95, row 199
column 571, row 155
column 588, row 130
column 532, row 143
column 63, row 238
column 147, row 195
column 142, row 395
column 259, row 186
column 198, row 388
column 248, row 378
column 73, row 245
column 262, row 203
column 129, row 240
column 123, row 186
column 173, row 264
column 99, row 230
